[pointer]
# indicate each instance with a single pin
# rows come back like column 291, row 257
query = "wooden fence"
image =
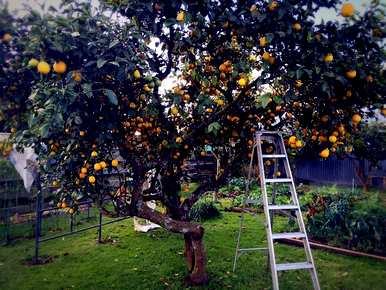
column 340, row 171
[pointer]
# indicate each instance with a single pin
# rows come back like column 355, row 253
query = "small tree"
column 239, row 66
column 368, row 144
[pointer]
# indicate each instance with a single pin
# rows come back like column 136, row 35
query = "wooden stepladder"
column 277, row 152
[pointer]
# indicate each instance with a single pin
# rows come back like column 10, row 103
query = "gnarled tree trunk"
column 194, row 245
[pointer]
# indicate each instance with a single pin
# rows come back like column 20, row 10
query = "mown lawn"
column 155, row 261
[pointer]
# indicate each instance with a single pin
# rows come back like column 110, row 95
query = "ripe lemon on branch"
column 324, row 153
column 33, row 62
column 137, row 74
column 351, row 74
column 7, row 37
column 347, row 10
column 114, row 163
column 60, row 67
column 180, row 16
column 329, row 57
column 242, row 82
column 92, row 179
column 43, row 67
column 356, row 118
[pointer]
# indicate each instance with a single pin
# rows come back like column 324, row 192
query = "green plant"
column 348, row 220
column 204, row 209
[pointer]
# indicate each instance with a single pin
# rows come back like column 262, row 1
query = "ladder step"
column 294, row 235
column 283, row 207
column 294, row 266
column 273, row 155
column 278, row 180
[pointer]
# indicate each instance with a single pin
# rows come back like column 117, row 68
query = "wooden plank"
column 333, row 249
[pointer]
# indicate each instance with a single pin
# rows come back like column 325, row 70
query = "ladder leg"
column 238, row 242
column 302, row 227
column 272, row 259
column 242, row 214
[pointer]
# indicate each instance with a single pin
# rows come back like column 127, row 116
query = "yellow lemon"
column 94, row 154
column 262, row 41
column 114, row 163
column 329, row 57
column 60, row 67
column 76, row 76
column 252, row 58
column 97, row 166
column 266, row 56
column 351, row 74
column 43, row 67
column 292, row 140
column 324, row 153
column 33, row 62
column 332, row 138
column 137, row 74
column 356, row 118
column 83, row 170
column 298, row 83
column 242, row 82
column 180, row 16
column 347, row 10
column 103, row 164
column 296, row 26
column 91, row 179
column 174, row 111
column 7, row 37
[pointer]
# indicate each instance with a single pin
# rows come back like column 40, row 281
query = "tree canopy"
column 84, row 87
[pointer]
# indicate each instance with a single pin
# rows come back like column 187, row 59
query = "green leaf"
column 299, row 74
column 112, row 97
column 265, row 99
column 277, row 99
column 87, row 89
column 101, row 62
column 214, row 127
column 113, row 43
column 78, row 120
column 44, row 130
column 170, row 21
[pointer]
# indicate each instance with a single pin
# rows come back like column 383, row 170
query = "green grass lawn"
column 155, row 261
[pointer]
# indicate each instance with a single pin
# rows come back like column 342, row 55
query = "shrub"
column 350, row 221
column 204, row 209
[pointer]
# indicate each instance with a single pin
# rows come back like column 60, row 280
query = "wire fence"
column 34, row 216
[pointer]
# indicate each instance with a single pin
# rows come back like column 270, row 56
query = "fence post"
column 7, row 226
column 100, row 228
column 38, row 222
column 88, row 212
column 71, row 223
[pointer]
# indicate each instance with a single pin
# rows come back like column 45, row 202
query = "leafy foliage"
column 204, row 209
column 350, row 221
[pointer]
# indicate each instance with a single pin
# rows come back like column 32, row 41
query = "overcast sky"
column 326, row 14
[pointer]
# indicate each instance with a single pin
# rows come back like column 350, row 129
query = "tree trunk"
column 194, row 245
column 189, row 252
column 360, row 173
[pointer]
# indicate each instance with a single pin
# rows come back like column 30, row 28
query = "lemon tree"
column 87, row 88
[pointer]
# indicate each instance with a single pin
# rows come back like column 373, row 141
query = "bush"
column 204, row 209
column 349, row 220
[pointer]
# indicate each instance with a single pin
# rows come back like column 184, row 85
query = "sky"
column 325, row 14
